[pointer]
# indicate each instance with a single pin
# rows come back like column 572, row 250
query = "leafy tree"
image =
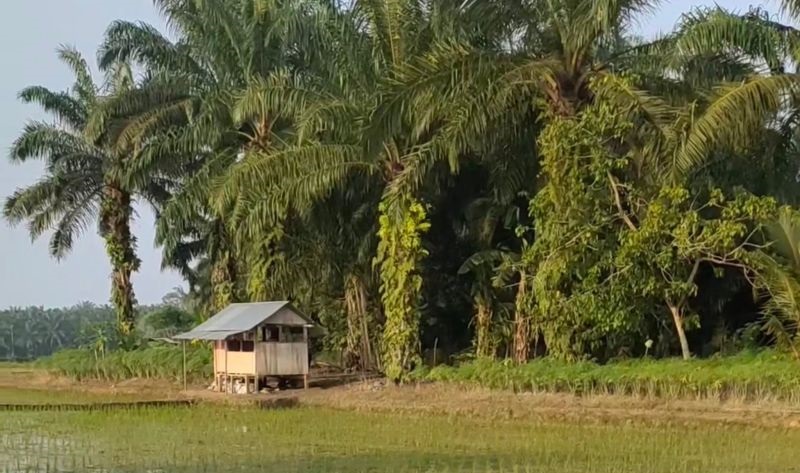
column 165, row 322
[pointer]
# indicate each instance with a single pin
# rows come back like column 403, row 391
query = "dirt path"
column 449, row 400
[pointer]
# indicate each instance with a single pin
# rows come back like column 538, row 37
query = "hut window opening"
column 292, row 334
column 270, row 334
column 241, row 345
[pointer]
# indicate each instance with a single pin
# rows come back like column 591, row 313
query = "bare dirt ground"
column 350, row 393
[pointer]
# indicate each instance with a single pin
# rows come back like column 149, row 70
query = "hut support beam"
column 184, row 364
column 228, row 386
column 305, row 340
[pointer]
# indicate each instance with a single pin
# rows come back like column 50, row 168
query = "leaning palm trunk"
column 521, row 323
column 359, row 352
column 121, row 248
column 483, row 325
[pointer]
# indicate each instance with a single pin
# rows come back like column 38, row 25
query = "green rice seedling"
column 226, row 439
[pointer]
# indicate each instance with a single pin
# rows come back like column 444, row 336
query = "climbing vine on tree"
column 400, row 253
column 612, row 250
column 571, row 258
column 115, row 218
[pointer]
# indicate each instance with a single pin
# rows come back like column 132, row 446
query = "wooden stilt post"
column 255, row 360
column 184, row 365
column 305, row 375
column 228, row 387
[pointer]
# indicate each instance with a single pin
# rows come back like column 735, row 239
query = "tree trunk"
column 358, row 353
column 115, row 221
column 677, row 317
column 223, row 276
column 521, row 323
column 483, row 325
column 400, row 254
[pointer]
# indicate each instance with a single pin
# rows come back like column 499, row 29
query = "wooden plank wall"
column 276, row 359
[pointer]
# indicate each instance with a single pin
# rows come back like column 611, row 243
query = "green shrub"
column 766, row 375
column 157, row 361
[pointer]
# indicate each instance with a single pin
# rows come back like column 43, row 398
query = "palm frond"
column 266, row 185
column 44, row 141
column 735, row 114
column 752, row 35
column 781, row 311
column 482, row 259
column 784, row 236
column 64, row 203
column 84, row 87
column 142, row 43
column 64, row 107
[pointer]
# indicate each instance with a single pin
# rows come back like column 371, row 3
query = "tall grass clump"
column 765, row 375
column 151, row 362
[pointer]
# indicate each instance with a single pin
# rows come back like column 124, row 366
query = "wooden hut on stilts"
column 254, row 342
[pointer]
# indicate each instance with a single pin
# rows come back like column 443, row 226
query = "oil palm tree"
column 268, row 84
column 185, row 119
column 82, row 183
column 374, row 39
column 561, row 55
column 278, row 120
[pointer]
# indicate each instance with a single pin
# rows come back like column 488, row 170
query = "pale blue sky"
column 31, row 30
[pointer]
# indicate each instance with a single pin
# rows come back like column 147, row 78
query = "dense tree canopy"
column 503, row 178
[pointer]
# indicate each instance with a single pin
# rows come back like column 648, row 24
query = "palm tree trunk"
column 400, row 254
column 359, row 353
column 521, row 323
column 223, row 277
column 483, row 322
column 121, row 248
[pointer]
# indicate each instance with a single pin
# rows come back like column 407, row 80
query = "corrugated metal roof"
column 206, row 335
column 238, row 318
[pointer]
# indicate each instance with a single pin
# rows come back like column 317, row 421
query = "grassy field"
column 23, row 383
column 216, row 438
column 756, row 376
column 748, row 376
column 423, row 430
